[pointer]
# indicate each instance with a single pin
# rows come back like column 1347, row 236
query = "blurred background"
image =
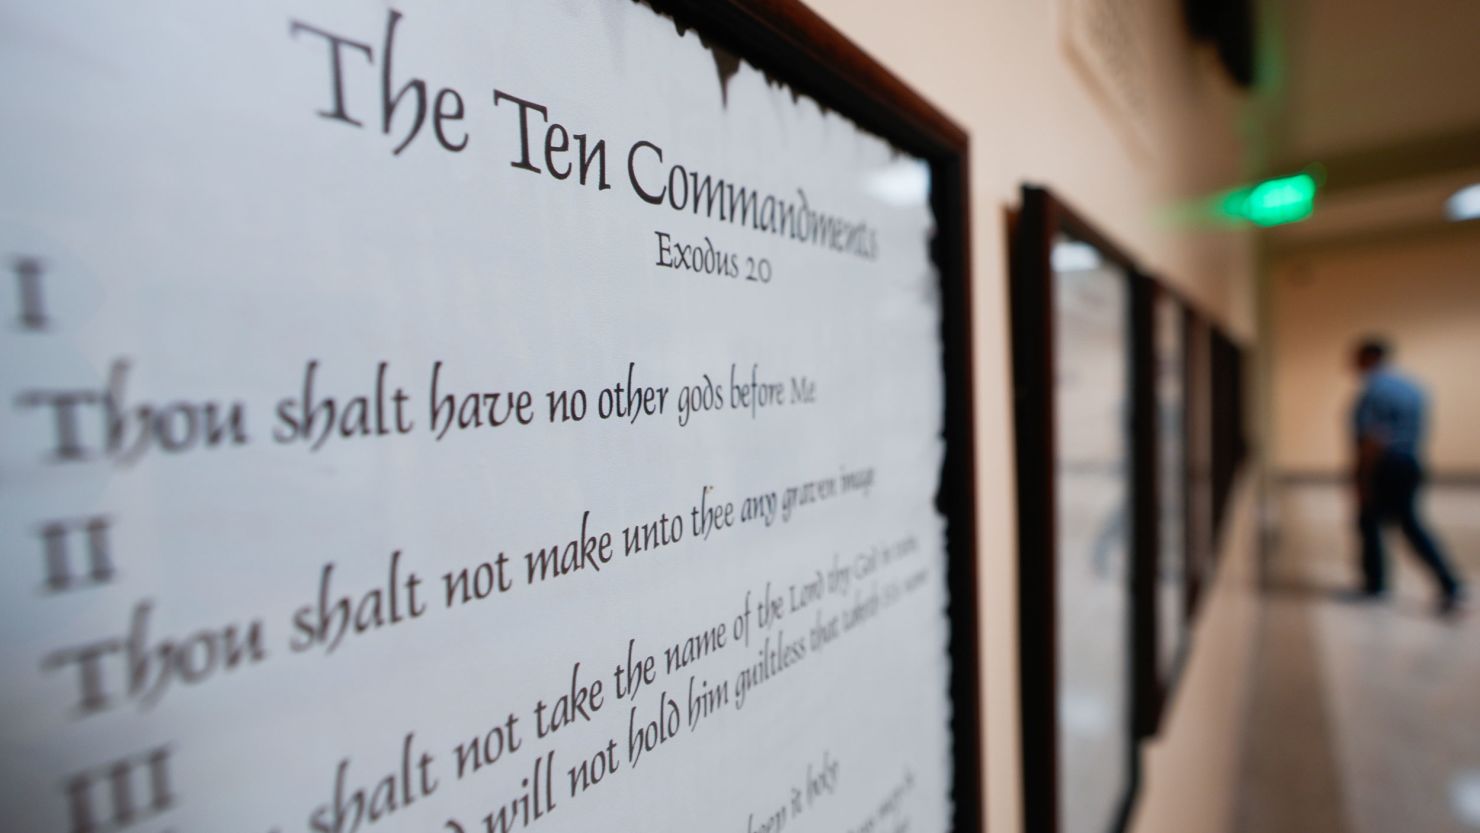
column 1304, row 174
column 1366, row 717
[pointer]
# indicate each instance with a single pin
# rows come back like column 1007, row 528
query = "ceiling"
column 1384, row 95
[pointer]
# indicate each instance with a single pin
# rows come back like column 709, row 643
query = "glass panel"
column 1171, row 461
column 1199, row 454
column 1091, row 383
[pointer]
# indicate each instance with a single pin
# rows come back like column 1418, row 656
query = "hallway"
column 1363, row 715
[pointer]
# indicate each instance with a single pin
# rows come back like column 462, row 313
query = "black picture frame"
column 1214, row 425
column 1201, row 535
column 1163, row 489
column 796, row 46
column 1042, row 216
column 1230, row 444
column 1217, row 426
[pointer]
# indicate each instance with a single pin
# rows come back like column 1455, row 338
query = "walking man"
column 1388, row 423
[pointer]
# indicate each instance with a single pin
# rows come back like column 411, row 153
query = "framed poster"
column 1201, row 535
column 1073, row 297
column 1229, row 439
column 1163, row 625
column 480, row 416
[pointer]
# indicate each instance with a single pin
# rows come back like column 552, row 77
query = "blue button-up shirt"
column 1391, row 412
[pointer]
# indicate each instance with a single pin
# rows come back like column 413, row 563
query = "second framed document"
column 1073, row 294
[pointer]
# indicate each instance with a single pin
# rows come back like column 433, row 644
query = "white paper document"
column 458, row 416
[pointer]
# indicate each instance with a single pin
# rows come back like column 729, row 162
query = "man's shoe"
column 1452, row 603
column 1363, row 595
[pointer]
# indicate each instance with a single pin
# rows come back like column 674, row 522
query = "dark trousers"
column 1392, row 496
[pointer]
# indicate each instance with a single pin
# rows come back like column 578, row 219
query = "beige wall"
column 1000, row 68
column 1191, row 770
column 1420, row 291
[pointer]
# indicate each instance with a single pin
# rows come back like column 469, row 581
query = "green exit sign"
column 1286, row 199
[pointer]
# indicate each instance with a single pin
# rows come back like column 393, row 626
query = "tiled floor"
column 1365, row 717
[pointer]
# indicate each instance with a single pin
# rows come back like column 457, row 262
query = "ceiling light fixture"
column 1464, row 204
